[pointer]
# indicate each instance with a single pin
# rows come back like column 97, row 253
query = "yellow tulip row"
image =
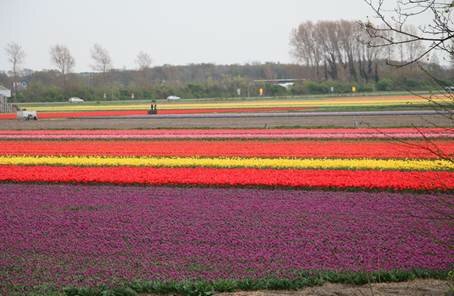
column 275, row 163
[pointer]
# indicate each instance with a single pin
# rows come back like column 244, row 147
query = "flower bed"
column 225, row 214
column 261, row 163
column 360, row 133
column 336, row 179
column 90, row 235
column 244, row 148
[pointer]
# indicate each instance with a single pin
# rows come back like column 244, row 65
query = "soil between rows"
column 243, row 122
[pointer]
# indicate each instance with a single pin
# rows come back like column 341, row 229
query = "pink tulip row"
column 233, row 133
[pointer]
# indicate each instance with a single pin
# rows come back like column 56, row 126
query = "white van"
column 75, row 100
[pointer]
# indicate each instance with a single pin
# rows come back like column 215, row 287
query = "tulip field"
column 185, row 211
column 133, row 108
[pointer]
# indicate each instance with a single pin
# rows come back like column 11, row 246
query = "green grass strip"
column 206, row 288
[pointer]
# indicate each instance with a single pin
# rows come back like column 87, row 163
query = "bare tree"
column 305, row 48
column 101, row 59
column 337, row 46
column 369, row 56
column 62, row 58
column 418, row 42
column 451, row 56
column 408, row 51
column 16, row 56
column 143, row 60
column 436, row 35
column 348, row 46
column 327, row 34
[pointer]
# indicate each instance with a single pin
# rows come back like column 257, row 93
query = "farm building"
column 4, row 95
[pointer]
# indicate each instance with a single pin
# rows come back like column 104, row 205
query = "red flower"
column 395, row 180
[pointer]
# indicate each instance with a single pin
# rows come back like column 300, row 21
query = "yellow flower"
column 275, row 163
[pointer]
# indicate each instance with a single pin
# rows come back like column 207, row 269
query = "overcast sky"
column 171, row 31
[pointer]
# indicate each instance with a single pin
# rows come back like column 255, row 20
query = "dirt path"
column 414, row 288
column 246, row 122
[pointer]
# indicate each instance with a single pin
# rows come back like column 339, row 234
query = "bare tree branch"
column 16, row 56
column 437, row 35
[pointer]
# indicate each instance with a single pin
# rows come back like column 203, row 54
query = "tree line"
column 331, row 56
column 343, row 50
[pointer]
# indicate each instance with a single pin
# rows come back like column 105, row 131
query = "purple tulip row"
column 88, row 235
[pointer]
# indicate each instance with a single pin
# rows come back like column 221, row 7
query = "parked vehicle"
column 27, row 115
column 75, row 100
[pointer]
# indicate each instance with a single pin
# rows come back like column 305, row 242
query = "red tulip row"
column 394, row 180
column 247, row 148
